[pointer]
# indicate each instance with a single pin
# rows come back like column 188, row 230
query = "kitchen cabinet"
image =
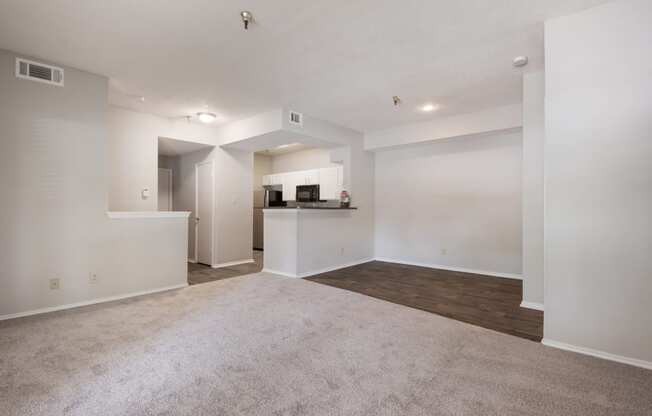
column 290, row 180
column 330, row 183
column 276, row 179
column 328, row 179
column 311, row 177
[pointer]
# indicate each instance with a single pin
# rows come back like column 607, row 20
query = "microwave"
column 307, row 193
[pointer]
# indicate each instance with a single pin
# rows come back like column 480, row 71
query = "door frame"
column 170, row 174
column 197, row 165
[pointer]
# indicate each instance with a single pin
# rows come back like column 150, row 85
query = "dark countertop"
column 329, row 208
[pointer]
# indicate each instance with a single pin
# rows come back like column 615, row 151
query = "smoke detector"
column 520, row 61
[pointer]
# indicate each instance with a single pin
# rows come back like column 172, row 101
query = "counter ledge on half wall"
column 300, row 208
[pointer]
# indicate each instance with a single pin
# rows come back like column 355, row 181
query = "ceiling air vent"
column 296, row 118
column 35, row 71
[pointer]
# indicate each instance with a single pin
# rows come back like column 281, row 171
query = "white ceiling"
column 339, row 60
column 174, row 147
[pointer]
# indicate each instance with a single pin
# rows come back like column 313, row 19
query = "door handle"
column 197, row 219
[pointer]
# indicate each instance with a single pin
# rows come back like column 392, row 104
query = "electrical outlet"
column 54, row 284
column 93, row 278
column 444, row 251
column 341, row 251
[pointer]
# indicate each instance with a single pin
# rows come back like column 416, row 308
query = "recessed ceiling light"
column 283, row 146
column 428, row 108
column 206, row 117
column 520, row 61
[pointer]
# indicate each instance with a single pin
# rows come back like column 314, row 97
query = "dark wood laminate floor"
column 489, row 302
column 201, row 273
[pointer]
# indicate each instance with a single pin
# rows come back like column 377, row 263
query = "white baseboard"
column 192, row 261
column 340, row 266
column 452, row 269
column 232, row 263
column 532, row 305
column 90, row 302
column 599, row 354
column 319, row 271
column 279, row 273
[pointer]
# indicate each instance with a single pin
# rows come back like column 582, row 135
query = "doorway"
column 204, row 212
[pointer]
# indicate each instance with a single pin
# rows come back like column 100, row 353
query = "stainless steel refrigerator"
column 259, row 203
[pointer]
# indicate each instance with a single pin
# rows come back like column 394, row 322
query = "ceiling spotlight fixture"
column 428, row 108
column 397, row 100
column 247, row 18
column 520, row 61
column 206, row 117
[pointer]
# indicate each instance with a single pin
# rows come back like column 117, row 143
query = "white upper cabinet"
column 290, row 181
column 276, row 179
column 330, row 183
column 328, row 179
column 311, row 177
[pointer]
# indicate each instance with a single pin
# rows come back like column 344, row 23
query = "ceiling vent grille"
column 39, row 72
column 296, row 118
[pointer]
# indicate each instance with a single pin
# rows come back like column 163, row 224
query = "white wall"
column 262, row 167
column 459, row 195
column 133, row 161
column 495, row 119
column 598, row 178
column 533, row 150
column 302, row 160
column 54, row 187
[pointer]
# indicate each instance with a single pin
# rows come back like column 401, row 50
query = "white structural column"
column 597, row 175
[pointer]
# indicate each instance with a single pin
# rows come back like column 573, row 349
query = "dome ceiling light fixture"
column 206, row 117
column 247, row 17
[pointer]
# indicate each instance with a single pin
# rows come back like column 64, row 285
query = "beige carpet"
column 265, row 345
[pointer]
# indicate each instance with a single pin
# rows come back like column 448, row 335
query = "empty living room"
column 420, row 207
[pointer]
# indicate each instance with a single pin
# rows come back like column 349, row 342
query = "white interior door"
column 204, row 212
column 164, row 189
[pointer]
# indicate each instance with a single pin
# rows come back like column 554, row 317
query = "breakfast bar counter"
column 304, row 241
